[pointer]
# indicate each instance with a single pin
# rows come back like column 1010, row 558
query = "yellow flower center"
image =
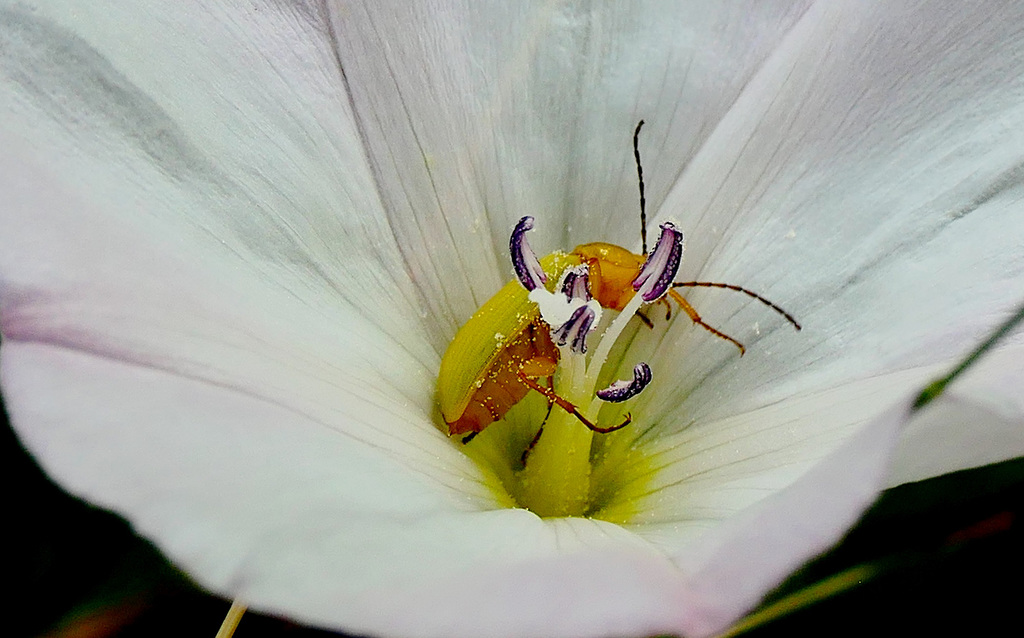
column 569, row 470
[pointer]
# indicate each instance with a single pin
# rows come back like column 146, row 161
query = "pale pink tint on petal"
column 258, row 501
column 729, row 570
column 134, row 289
column 754, row 551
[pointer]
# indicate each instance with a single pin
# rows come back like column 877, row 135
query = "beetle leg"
column 668, row 313
column 695, row 318
column 668, row 307
column 533, row 442
column 645, row 319
column 469, row 437
column 566, row 405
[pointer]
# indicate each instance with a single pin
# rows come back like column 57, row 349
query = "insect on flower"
column 518, row 337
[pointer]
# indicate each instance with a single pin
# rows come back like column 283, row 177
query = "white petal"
column 980, row 422
column 269, row 481
column 710, row 470
column 127, row 236
column 224, row 130
column 868, row 179
column 252, row 498
column 302, row 520
column 477, row 113
column 75, row 278
column 749, row 554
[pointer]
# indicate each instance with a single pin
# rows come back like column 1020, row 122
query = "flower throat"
column 524, row 360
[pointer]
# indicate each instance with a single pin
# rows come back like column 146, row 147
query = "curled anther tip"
column 576, row 283
column 524, row 260
column 623, row 390
column 655, row 278
column 574, row 331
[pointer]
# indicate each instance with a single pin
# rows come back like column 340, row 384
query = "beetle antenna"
column 640, row 179
column 709, row 284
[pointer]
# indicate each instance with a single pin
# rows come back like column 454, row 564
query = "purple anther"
column 524, row 260
column 662, row 264
column 621, row 390
column 576, row 283
column 575, row 330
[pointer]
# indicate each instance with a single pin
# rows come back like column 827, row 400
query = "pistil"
column 556, row 478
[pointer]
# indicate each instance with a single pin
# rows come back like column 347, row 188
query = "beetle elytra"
column 479, row 378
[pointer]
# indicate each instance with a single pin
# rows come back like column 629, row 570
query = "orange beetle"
column 505, row 348
column 505, row 341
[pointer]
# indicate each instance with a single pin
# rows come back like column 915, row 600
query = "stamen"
column 575, row 330
column 661, row 266
column 571, row 310
column 524, row 260
column 623, row 390
column 576, row 283
column 555, row 308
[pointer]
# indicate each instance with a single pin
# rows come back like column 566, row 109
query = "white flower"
column 236, row 238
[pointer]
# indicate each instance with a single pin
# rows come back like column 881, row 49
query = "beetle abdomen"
column 533, row 353
column 482, row 341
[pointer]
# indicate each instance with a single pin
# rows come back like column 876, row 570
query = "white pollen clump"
column 556, row 308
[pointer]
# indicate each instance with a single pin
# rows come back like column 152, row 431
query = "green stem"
column 556, row 479
column 843, row 581
column 937, row 387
